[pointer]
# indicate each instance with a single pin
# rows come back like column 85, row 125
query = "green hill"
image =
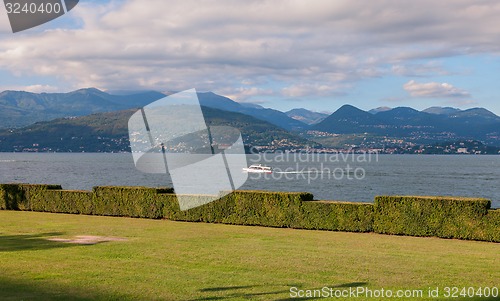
column 108, row 132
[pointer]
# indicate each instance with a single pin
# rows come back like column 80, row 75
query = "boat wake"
column 301, row 171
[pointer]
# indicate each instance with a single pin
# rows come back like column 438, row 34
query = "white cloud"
column 311, row 90
column 216, row 45
column 41, row 88
column 420, row 70
column 33, row 88
column 246, row 94
column 434, row 90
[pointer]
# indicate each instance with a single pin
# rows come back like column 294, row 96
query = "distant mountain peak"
column 345, row 119
column 348, row 106
column 379, row 109
column 89, row 90
column 476, row 112
column 299, row 110
column 10, row 92
column 306, row 116
column 403, row 111
column 349, row 109
column 441, row 110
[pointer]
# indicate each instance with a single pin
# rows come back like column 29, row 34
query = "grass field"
column 164, row 260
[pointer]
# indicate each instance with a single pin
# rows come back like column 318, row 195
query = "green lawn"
column 164, row 260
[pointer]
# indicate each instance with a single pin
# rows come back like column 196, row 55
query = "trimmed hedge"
column 491, row 226
column 446, row 217
column 276, row 209
column 338, row 216
column 10, row 196
column 20, row 196
column 113, row 201
column 128, row 201
column 64, row 201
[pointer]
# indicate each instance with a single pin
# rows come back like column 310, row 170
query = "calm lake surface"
column 356, row 178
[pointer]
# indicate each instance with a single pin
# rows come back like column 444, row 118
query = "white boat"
column 258, row 168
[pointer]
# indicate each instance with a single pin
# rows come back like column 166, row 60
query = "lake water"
column 357, row 178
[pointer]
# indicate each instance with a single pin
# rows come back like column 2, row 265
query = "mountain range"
column 476, row 123
column 19, row 109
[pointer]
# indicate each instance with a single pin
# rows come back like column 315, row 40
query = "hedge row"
column 113, row 201
column 278, row 209
column 402, row 215
column 446, row 217
column 274, row 209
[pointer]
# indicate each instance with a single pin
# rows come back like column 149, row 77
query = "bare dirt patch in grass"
column 86, row 239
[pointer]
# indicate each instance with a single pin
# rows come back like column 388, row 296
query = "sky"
column 281, row 54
